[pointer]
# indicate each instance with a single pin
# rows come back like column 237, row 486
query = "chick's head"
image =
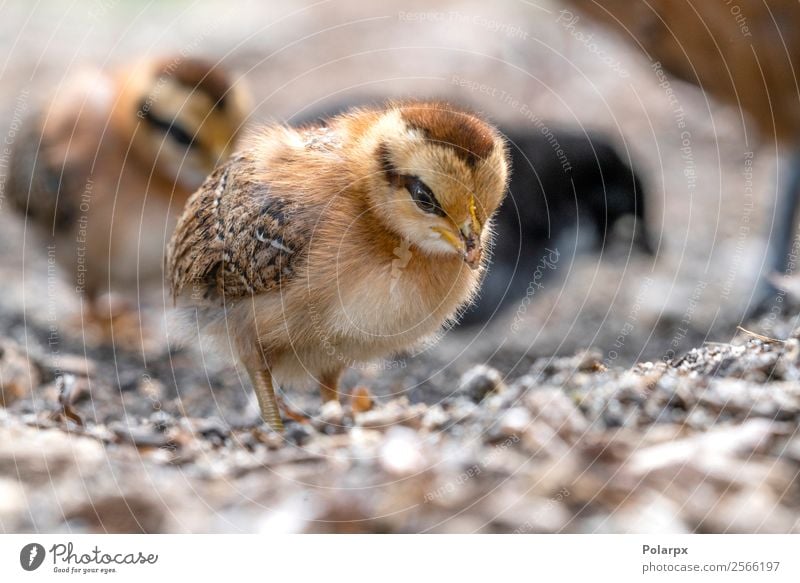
column 439, row 174
column 189, row 113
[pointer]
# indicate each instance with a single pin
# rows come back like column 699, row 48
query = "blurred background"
column 540, row 70
column 525, row 65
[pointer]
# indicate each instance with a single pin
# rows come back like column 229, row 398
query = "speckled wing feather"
column 236, row 237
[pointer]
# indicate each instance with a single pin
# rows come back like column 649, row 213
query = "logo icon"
column 31, row 556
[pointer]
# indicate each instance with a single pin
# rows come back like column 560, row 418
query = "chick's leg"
column 267, row 402
column 329, row 385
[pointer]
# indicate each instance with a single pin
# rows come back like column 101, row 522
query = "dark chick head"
column 565, row 181
column 611, row 192
column 566, row 188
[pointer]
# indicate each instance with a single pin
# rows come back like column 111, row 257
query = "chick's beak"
column 465, row 238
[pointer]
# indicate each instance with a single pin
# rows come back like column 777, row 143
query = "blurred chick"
column 104, row 169
column 320, row 247
column 555, row 203
column 746, row 53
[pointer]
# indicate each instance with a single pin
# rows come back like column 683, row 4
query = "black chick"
column 564, row 186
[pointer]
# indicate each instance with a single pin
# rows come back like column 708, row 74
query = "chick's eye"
column 181, row 136
column 171, row 127
column 423, row 196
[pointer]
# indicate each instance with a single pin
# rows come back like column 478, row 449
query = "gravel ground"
column 546, row 426
column 706, row 443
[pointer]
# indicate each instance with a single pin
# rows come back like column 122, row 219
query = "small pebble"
column 331, row 413
column 140, row 436
column 435, row 418
column 515, row 421
column 297, row 434
column 479, row 381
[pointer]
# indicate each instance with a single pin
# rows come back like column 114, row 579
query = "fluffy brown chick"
column 105, row 167
column 321, row 247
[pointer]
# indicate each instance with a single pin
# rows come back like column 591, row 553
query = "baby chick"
column 106, row 166
column 320, row 247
